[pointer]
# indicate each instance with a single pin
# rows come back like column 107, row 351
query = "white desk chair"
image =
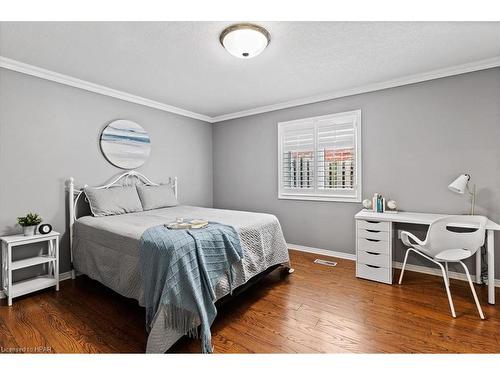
column 442, row 245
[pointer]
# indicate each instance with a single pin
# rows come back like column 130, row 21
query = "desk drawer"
column 374, row 273
column 374, row 259
column 375, row 246
column 372, row 234
column 383, row 226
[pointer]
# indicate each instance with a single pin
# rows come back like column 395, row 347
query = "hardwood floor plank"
column 110, row 330
column 23, row 327
column 7, row 339
column 61, row 334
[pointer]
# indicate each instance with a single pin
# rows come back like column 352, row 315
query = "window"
column 320, row 158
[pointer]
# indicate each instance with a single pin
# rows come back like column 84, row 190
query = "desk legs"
column 490, row 248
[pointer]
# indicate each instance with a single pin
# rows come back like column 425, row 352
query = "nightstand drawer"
column 383, row 226
column 373, row 234
column 376, row 246
column 374, row 273
column 375, row 259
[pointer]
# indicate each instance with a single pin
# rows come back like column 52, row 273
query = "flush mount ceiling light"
column 245, row 40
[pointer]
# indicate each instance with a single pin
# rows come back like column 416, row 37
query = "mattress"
column 107, row 250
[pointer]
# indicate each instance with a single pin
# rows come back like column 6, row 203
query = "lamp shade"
column 460, row 184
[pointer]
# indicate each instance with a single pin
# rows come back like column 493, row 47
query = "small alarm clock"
column 45, row 229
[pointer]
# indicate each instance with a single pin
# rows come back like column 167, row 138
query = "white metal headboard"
column 125, row 179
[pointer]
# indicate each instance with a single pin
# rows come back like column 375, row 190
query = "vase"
column 29, row 230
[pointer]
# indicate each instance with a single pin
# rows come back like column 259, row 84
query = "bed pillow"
column 156, row 196
column 113, row 201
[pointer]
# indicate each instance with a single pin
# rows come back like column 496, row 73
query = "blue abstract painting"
column 125, row 144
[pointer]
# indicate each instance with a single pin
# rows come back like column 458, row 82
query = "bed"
column 106, row 248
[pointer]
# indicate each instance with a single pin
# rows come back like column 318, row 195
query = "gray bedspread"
column 107, row 250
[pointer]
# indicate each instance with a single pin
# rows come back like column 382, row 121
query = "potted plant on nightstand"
column 29, row 223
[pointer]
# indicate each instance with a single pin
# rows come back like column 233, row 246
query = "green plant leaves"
column 30, row 219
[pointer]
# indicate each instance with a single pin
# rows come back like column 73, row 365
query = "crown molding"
column 35, row 71
column 49, row 75
column 408, row 80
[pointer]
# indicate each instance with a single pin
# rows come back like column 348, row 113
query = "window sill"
column 320, row 198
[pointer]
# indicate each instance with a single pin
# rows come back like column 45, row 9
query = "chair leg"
column 447, row 273
column 473, row 290
column 404, row 265
column 447, row 286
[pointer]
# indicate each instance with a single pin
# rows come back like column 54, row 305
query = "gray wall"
column 49, row 132
column 415, row 140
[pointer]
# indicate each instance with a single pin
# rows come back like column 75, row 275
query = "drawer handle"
column 373, row 222
column 372, row 253
column 372, row 230
column 369, row 265
column 372, row 240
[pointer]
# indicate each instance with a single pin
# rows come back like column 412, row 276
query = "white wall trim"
column 49, row 75
column 409, row 267
column 408, row 80
column 35, row 71
column 315, row 250
column 62, row 276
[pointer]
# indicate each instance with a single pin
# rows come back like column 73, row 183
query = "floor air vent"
column 325, row 262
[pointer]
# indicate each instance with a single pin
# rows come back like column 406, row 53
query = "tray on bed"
column 193, row 224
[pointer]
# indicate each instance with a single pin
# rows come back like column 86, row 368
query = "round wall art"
column 125, row 144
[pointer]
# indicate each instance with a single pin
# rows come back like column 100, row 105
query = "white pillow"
column 156, row 196
column 113, row 201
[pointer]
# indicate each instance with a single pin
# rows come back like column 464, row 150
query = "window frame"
column 336, row 195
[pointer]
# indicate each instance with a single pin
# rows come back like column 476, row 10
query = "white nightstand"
column 20, row 288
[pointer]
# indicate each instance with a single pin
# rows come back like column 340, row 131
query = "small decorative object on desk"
column 379, row 204
column 367, row 203
column 29, row 223
column 392, row 205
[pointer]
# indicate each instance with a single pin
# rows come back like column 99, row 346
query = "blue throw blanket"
column 180, row 269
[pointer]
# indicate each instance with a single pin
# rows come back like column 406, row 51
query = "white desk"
column 426, row 219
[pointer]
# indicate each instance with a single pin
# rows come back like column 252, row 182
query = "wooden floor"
column 318, row 309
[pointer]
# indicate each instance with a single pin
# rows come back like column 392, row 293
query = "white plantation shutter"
column 319, row 158
column 298, row 157
column 336, row 155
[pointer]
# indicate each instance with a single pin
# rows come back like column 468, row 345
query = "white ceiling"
column 182, row 63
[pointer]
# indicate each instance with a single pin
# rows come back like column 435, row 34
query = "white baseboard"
column 409, row 267
column 65, row 276
column 315, row 250
column 62, row 276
